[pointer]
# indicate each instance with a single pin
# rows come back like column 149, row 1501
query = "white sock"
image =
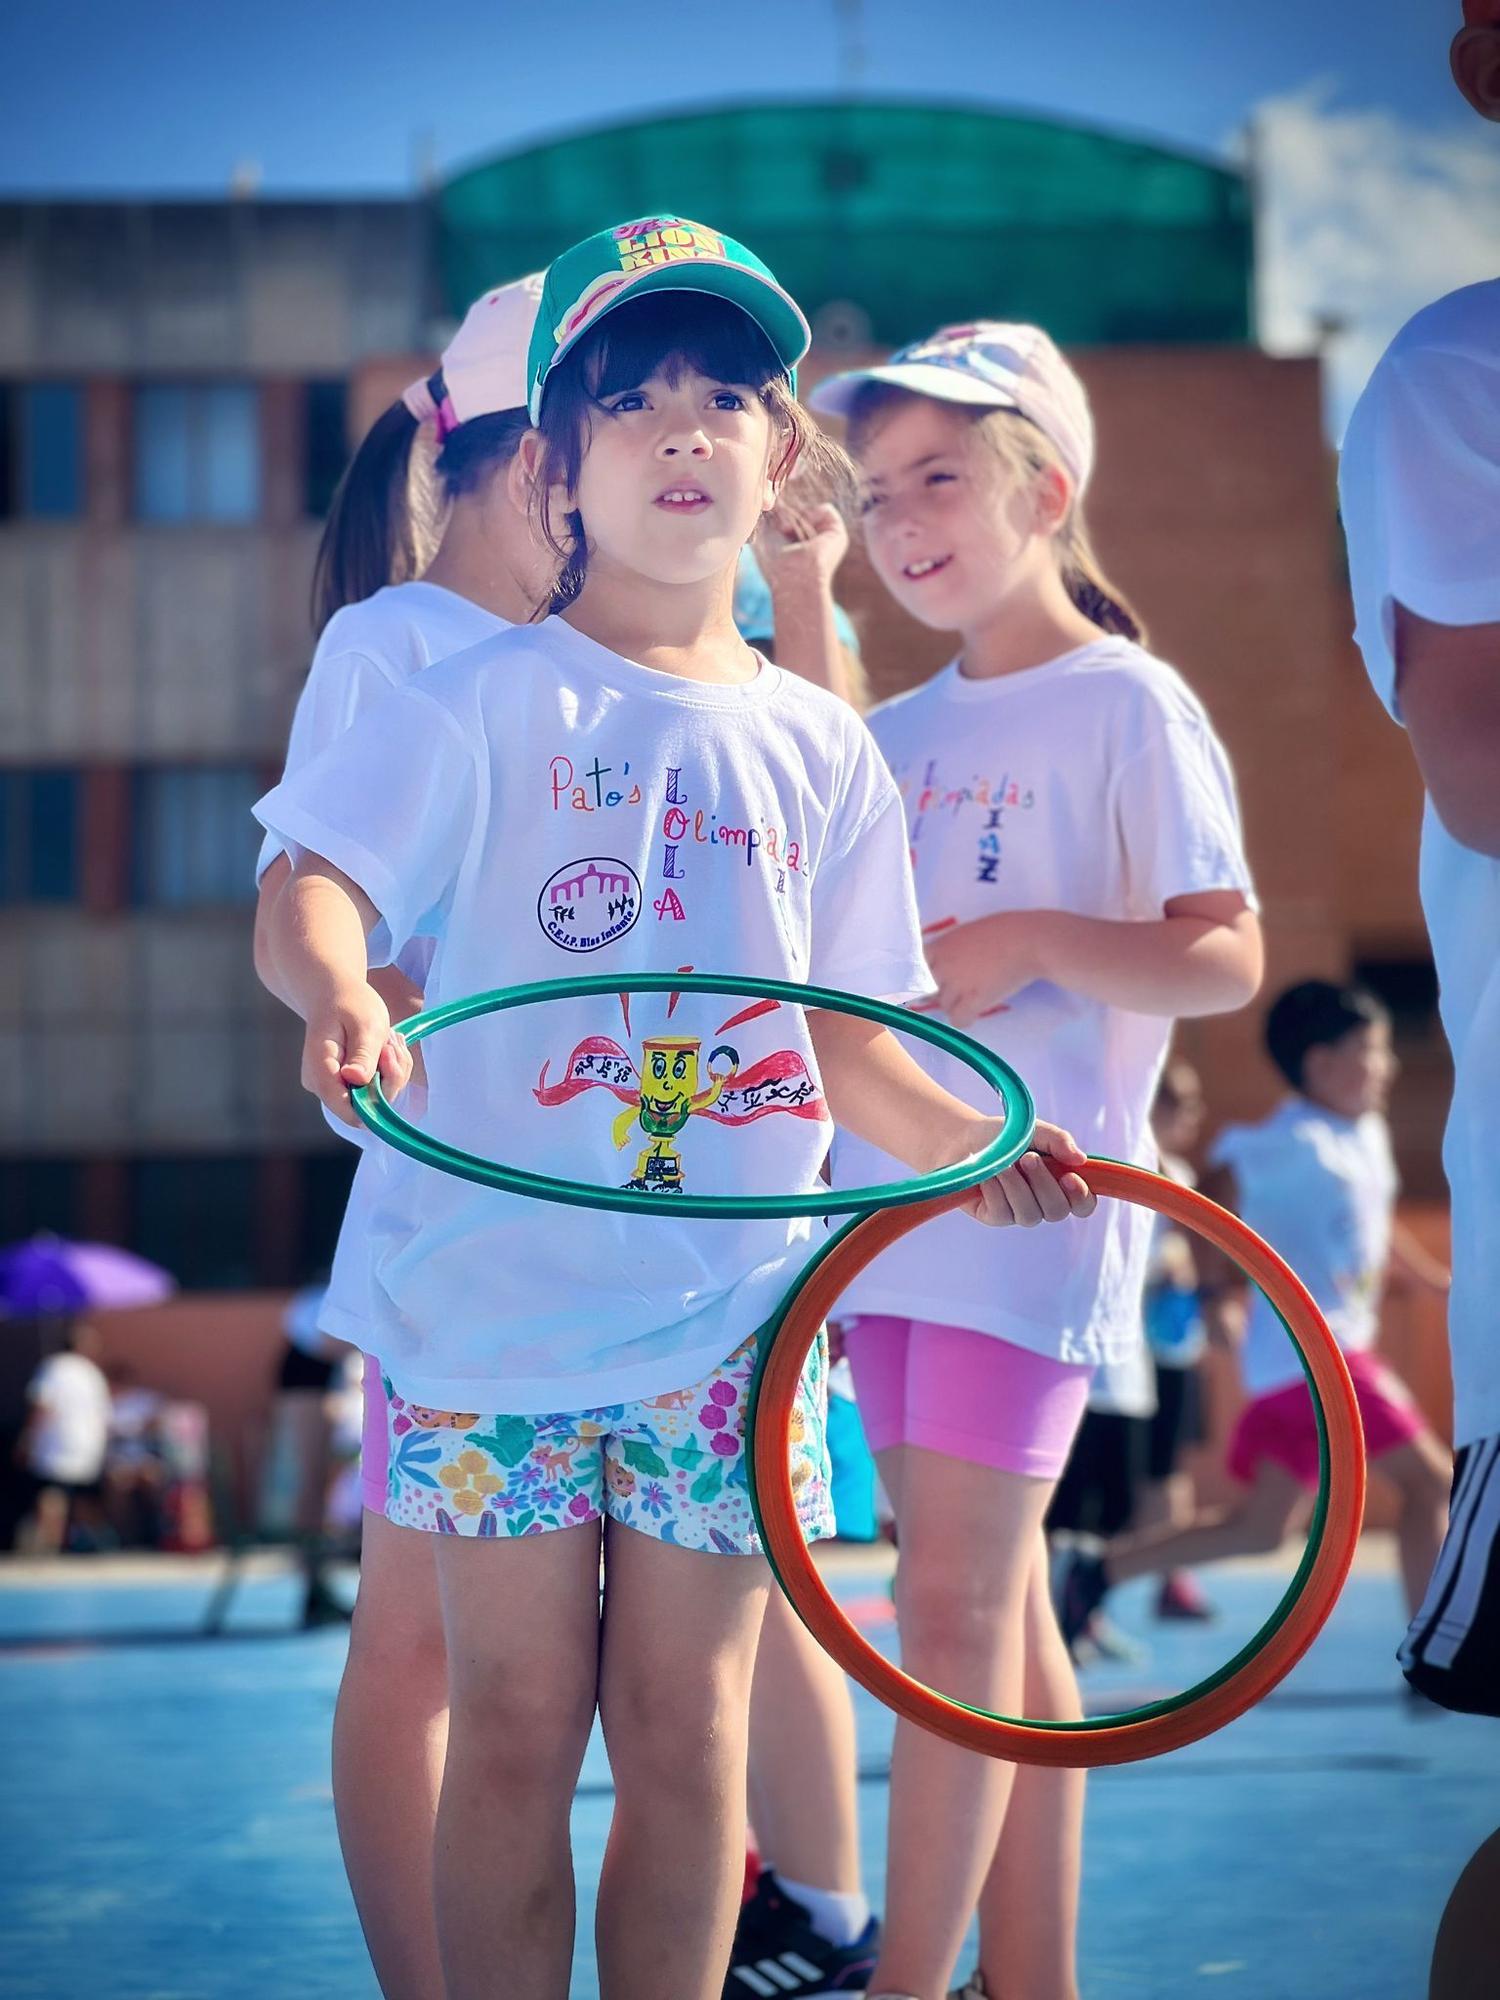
column 836, row 1917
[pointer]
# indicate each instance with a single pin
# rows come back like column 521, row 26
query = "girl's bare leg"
column 969, row 1535
column 804, row 1799
column 521, row 1621
column 1028, row 1910
column 1258, row 1526
column 680, row 1633
column 390, row 1730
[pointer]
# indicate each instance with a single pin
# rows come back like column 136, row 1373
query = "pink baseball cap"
column 992, row 365
column 483, row 369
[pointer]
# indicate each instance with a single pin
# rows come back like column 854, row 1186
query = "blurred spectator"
column 134, row 1467
column 303, row 1419
column 1175, row 1334
column 63, row 1444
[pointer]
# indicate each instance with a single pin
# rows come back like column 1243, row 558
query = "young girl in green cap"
column 626, row 787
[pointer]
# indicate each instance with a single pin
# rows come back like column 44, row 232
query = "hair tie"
column 429, row 402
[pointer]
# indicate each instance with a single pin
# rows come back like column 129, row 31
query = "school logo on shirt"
column 589, row 903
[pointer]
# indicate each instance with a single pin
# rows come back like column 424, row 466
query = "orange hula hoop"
column 1163, row 1725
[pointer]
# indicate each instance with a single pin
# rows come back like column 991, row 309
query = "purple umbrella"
column 49, row 1275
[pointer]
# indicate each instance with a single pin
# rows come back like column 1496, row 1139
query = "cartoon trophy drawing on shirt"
column 669, row 1097
column 667, row 1091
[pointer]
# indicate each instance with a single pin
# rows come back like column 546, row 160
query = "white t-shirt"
column 72, row 1434
column 366, row 650
column 1093, row 784
column 1126, row 1387
column 1321, row 1190
column 544, row 809
column 1419, row 484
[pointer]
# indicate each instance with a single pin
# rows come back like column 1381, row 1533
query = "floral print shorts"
column 672, row 1466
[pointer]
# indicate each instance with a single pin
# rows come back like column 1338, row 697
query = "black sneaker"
column 777, row 1951
column 1081, row 1589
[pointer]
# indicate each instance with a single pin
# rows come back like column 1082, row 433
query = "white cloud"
column 1362, row 220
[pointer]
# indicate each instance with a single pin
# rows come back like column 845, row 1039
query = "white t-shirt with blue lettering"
column 1094, row 784
column 365, row 650
column 541, row 808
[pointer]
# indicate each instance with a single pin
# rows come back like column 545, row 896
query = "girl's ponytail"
column 1090, row 589
column 370, row 537
column 1026, row 450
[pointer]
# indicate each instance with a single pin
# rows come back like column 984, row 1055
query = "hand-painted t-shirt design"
column 674, row 1083
column 749, row 830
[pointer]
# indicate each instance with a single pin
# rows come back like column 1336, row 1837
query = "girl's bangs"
column 670, row 333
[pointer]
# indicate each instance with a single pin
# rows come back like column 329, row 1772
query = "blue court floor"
column 166, row 1826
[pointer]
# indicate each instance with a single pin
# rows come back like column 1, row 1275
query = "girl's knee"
column 1263, row 1530
column 404, row 1652
column 964, row 1614
column 676, row 1730
column 521, row 1731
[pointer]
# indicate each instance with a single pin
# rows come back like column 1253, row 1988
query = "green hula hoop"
column 376, row 1110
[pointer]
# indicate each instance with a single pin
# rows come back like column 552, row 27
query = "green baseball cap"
column 659, row 253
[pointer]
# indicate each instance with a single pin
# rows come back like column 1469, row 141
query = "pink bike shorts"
column 969, row 1395
column 1280, row 1425
column 374, row 1439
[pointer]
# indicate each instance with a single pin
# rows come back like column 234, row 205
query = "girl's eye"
column 728, row 399
column 868, row 502
column 940, row 478
column 631, row 400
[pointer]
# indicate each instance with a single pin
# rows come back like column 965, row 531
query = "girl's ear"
column 1052, row 500
column 523, row 473
column 525, row 477
column 780, row 465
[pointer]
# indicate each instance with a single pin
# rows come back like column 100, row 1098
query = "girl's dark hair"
column 1019, row 444
column 384, row 522
column 664, row 332
column 1312, row 1015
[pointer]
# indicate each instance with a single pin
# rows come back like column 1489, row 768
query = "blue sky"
column 344, row 94
column 1379, row 181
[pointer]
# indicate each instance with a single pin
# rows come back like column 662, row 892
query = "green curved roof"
column 919, row 214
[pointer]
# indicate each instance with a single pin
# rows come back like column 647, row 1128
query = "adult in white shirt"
column 1420, row 490
column 65, row 1439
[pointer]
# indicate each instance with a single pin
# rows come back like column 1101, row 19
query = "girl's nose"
column 692, row 442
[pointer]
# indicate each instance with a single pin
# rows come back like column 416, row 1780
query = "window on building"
column 197, row 1218
column 37, row 1197
column 325, row 445
column 41, row 450
column 193, row 841
column 197, row 452
column 50, row 440
column 39, row 844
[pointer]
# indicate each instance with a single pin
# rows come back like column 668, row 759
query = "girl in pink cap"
column 427, row 550
column 1080, row 880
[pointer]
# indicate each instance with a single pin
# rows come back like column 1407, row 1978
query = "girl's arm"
column 1411, row 1260
column 1222, row 1286
column 402, row 996
column 1203, row 956
column 315, row 933
column 876, row 1090
column 799, row 550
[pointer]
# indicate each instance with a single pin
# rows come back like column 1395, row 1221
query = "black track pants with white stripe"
column 1452, row 1648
